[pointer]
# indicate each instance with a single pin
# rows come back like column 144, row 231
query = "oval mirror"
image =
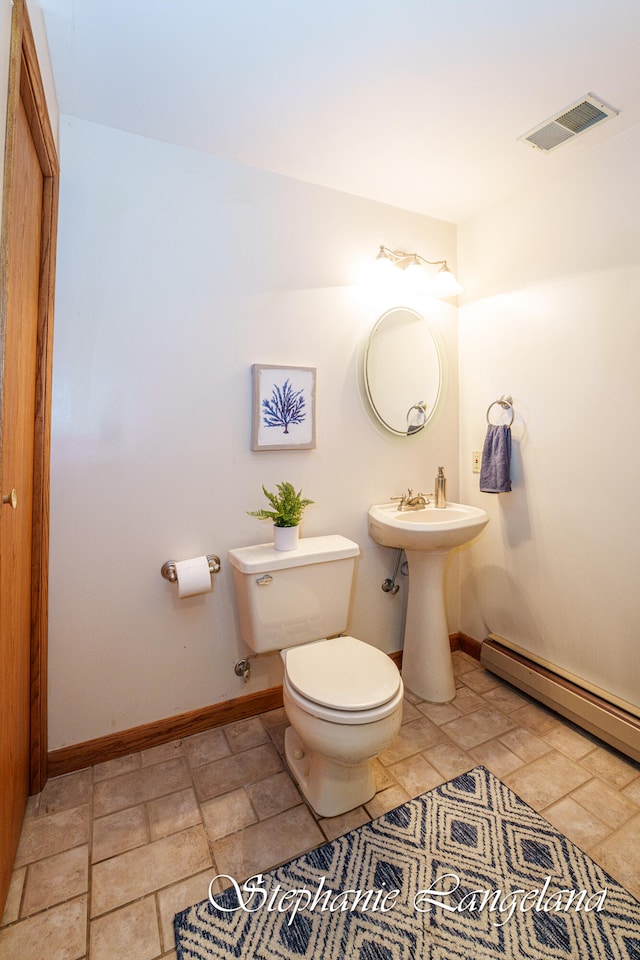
column 402, row 371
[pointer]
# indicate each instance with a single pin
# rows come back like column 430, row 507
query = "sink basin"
column 428, row 528
column 426, row 536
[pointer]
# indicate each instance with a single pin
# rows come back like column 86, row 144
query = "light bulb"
column 415, row 277
column 444, row 284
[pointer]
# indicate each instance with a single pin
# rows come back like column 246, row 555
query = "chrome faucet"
column 411, row 502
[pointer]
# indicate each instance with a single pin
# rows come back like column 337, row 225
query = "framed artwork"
column 284, row 407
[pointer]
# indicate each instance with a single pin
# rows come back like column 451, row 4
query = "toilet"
column 342, row 697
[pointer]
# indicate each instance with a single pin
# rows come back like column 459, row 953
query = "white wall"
column 551, row 316
column 176, row 272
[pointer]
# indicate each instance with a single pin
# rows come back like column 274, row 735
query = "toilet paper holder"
column 168, row 569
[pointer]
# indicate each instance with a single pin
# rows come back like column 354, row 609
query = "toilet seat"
column 343, row 680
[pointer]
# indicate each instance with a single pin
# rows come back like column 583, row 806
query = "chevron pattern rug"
column 467, row 871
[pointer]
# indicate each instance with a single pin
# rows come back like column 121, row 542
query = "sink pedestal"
column 427, row 668
column 427, row 536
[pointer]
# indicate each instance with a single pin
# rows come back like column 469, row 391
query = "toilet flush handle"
column 264, row 580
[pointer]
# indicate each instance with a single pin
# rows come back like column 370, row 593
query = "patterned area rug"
column 467, row 870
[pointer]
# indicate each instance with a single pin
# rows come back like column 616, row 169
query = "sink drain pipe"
column 389, row 585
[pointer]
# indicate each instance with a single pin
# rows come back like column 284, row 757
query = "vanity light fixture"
column 442, row 285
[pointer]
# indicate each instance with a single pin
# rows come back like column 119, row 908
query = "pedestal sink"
column 426, row 535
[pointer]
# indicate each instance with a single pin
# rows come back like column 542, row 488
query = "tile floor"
column 109, row 854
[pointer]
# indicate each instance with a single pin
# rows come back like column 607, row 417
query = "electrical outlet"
column 475, row 461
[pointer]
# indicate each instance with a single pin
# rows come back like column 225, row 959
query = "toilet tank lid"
column 262, row 557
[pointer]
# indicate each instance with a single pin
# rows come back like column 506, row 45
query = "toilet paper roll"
column 194, row 577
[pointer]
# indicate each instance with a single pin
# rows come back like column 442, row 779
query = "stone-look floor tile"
column 449, row 759
column 611, row 766
column 462, row 664
column 619, row 854
column 173, row 813
column 245, row 734
column 273, row 718
column 411, row 696
column 115, row 768
column 505, row 698
column 412, row 738
column 44, row 836
column 525, row 744
column 276, row 735
column 60, row 877
column 131, row 931
column 611, row 806
column 480, row 680
column 535, row 717
column 546, row 780
column 14, row 896
column 632, row 791
column 164, row 751
column 141, row 871
column 439, row 713
column 236, row 771
column 584, row 794
column 495, row 757
column 466, row 700
column 570, row 741
column 147, row 783
column 56, row 934
column 227, row 814
column 182, row 895
column 63, row 793
column 386, row 800
column 476, row 727
column 576, row 823
column 409, row 711
column 334, row 827
column 119, row 832
column 273, row 795
column 206, row 747
column 382, row 775
column 264, row 845
column 415, row 775
column 33, row 806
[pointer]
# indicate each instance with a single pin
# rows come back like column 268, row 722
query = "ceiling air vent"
column 568, row 123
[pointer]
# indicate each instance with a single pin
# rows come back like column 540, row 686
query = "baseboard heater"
column 588, row 709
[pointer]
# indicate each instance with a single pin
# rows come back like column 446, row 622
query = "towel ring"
column 416, row 417
column 506, row 402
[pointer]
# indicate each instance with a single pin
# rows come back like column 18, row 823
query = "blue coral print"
column 286, row 406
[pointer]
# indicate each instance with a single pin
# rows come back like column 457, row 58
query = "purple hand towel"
column 496, row 460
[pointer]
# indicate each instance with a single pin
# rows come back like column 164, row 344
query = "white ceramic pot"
column 285, row 538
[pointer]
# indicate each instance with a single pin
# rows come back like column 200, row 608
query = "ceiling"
column 413, row 103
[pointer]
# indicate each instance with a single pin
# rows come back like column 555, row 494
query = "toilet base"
column 330, row 788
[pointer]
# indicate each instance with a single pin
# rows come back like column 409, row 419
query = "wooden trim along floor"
column 87, row 754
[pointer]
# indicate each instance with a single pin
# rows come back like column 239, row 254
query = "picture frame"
column 284, row 407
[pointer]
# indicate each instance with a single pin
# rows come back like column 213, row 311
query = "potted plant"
column 288, row 507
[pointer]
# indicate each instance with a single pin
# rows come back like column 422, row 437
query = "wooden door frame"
column 25, row 82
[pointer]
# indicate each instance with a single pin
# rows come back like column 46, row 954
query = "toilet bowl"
column 342, row 696
column 343, row 699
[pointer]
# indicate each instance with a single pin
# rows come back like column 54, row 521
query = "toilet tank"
column 286, row 598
